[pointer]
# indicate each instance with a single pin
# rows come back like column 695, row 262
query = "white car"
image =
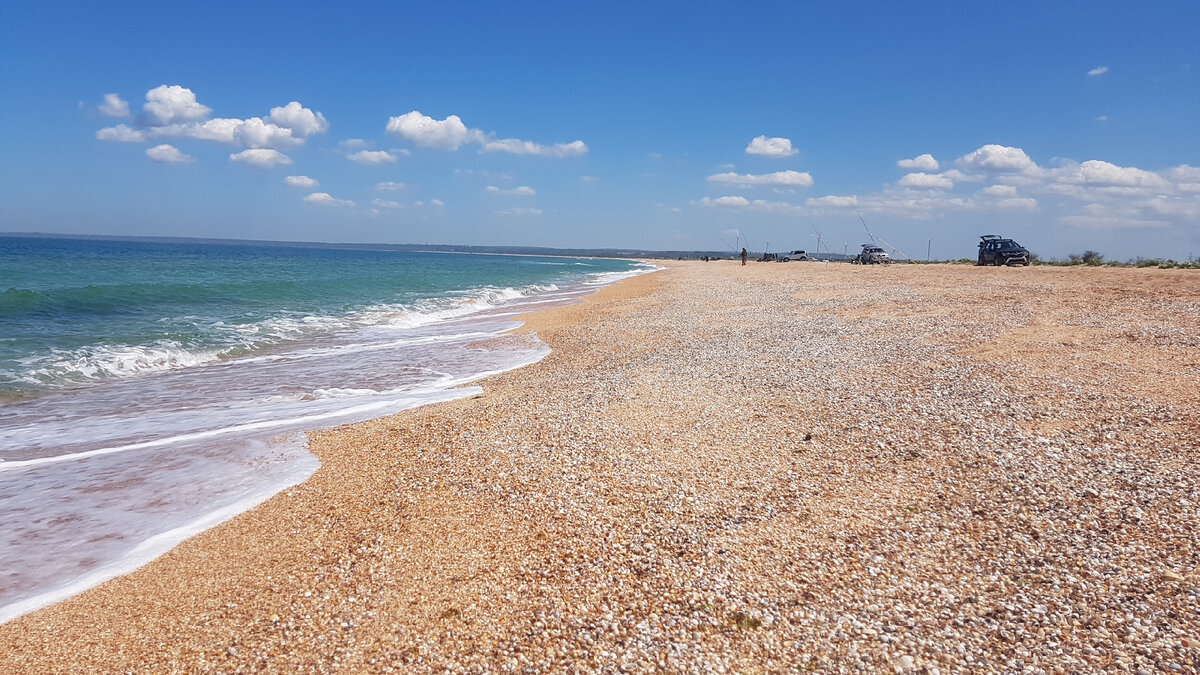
column 793, row 255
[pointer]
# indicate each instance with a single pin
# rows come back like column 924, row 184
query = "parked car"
column 996, row 250
column 793, row 255
column 872, row 255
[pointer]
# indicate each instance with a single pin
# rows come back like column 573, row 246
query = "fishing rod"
column 881, row 239
column 723, row 241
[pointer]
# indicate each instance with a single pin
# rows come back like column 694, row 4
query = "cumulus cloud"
column 300, row 120
column 1096, row 172
column 386, row 204
column 168, row 154
column 926, row 180
column 1092, row 194
column 168, row 104
column 512, row 212
column 372, row 157
column 256, row 133
column 451, row 134
column 1098, row 70
column 789, row 178
column 924, row 162
column 438, row 202
column 260, row 158
column 522, row 191
column 326, row 199
column 1186, row 178
column 174, row 112
column 389, row 186
column 121, row 133
column 301, row 182
column 994, row 158
column 771, row 147
column 114, row 106
column 447, row 134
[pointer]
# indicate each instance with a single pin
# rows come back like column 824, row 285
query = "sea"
column 150, row 390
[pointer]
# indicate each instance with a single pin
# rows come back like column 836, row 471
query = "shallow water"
column 174, row 415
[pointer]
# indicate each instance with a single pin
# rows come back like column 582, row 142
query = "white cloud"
column 792, row 178
column 522, row 191
column 170, row 104
column 1186, row 178
column 725, row 201
column 926, row 180
column 587, row 179
column 771, row 147
column 960, row 177
column 838, row 201
column 256, row 133
column 1016, row 204
column 372, row 157
column 325, row 199
column 1098, row 70
column 513, row 212
column 994, row 157
column 738, row 202
column 260, row 158
column 386, row 204
column 302, row 182
column 924, row 162
column 447, row 134
column 451, row 134
column 168, row 154
column 121, row 133
column 389, row 186
column 1096, row 172
column 302, row 121
column 173, row 112
column 114, row 106
column 999, row 191
column 438, row 202
column 519, row 147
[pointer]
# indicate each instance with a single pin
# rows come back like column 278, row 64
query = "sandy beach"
column 720, row 468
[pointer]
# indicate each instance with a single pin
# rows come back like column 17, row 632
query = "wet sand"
column 730, row 468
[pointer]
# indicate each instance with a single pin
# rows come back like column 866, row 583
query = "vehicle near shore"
column 871, row 255
column 787, row 256
column 996, row 250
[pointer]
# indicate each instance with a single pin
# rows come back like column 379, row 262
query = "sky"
column 1069, row 126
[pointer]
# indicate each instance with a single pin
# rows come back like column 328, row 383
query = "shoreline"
column 710, row 470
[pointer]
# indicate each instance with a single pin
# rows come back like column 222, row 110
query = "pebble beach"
column 726, row 468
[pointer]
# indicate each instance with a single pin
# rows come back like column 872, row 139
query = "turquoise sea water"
column 151, row 390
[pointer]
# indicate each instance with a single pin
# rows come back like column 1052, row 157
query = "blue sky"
column 1067, row 125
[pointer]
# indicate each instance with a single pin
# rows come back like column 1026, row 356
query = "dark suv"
column 995, row 250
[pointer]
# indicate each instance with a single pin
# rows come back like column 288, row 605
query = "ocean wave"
column 207, row 341
column 101, row 362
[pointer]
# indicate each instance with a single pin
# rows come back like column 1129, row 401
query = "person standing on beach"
column 744, row 254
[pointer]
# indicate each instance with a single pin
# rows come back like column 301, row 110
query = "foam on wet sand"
column 729, row 468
